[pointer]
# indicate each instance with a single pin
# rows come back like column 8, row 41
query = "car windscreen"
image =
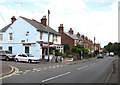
column 29, row 55
column 8, row 52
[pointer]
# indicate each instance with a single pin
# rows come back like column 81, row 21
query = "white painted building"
column 29, row 36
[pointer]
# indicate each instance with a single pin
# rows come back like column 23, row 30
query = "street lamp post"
column 48, row 34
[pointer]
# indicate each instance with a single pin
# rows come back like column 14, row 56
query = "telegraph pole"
column 48, row 34
column 94, row 44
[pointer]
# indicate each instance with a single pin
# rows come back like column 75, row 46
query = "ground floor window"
column 26, row 49
column 10, row 48
column 0, row 47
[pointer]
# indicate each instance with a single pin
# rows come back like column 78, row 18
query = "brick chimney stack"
column 78, row 34
column 13, row 19
column 61, row 28
column 44, row 21
column 71, row 31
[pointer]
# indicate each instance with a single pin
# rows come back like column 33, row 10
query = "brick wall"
column 65, row 39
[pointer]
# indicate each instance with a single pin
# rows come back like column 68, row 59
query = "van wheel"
column 7, row 59
column 16, row 60
column 29, row 61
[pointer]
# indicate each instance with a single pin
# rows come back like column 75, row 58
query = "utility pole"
column 94, row 44
column 48, row 34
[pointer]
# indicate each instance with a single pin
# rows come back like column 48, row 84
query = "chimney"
column 13, row 19
column 78, row 35
column 71, row 31
column 44, row 21
column 61, row 28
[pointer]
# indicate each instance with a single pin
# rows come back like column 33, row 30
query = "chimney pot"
column 44, row 21
column 13, row 19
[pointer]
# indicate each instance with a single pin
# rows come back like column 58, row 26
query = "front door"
column 10, row 49
column 26, row 49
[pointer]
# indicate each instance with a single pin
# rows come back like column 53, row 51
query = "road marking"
column 45, row 68
column 34, row 70
column 57, row 65
column 55, row 77
column 26, row 71
column 61, row 65
column 93, row 64
column 50, row 67
column 53, row 66
column 82, row 67
column 16, row 70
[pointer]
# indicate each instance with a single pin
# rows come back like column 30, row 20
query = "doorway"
column 26, row 49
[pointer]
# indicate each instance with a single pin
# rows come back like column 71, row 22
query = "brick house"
column 68, row 37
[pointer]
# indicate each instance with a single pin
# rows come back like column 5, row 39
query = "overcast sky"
column 93, row 18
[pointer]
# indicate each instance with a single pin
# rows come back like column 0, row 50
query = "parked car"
column 100, row 56
column 26, row 58
column 6, row 55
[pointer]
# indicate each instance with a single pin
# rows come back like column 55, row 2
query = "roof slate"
column 36, row 24
column 72, row 36
column 40, row 27
column 5, row 28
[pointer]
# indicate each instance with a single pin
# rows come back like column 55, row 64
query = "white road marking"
column 55, row 77
column 50, row 67
column 93, row 64
column 82, row 67
column 34, row 70
column 26, row 71
column 57, row 65
column 61, row 65
column 20, row 71
column 53, row 66
column 17, row 74
column 45, row 68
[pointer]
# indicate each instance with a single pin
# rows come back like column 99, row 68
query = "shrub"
column 70, row 56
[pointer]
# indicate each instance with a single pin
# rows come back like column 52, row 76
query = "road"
column 91, row 71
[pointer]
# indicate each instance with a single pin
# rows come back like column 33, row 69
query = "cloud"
column 72, row 14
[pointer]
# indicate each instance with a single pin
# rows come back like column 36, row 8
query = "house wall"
column 65, row 39
column 19, row 29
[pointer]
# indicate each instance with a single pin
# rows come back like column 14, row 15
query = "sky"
column 91, row 18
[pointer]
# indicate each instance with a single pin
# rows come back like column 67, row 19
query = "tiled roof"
column 5, row 28
column 72, row 36
column 40, row 27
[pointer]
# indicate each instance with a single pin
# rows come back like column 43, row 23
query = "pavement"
column 8, row 70
column 114, row 78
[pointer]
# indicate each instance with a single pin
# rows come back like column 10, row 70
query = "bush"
column 85, row 50
column 70, row 56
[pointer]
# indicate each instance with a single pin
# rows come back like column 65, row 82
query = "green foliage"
column 96, row 52
column 85, row 50
column 75, row 50
column 66, row 48
column 70, row 56
column 113, row 47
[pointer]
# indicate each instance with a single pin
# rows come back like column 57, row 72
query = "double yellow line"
column 13, row 68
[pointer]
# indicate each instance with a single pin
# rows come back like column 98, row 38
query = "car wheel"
column 29, row 61
column 7, row 59
column 16, row 60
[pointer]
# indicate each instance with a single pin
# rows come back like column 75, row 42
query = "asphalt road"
column 91, row 71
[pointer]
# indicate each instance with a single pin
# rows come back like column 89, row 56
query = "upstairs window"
column 27, row 33
column 41, row 35
column 10, row 36
column 1, row 37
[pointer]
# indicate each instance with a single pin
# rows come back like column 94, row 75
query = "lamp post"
column 48, row 34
